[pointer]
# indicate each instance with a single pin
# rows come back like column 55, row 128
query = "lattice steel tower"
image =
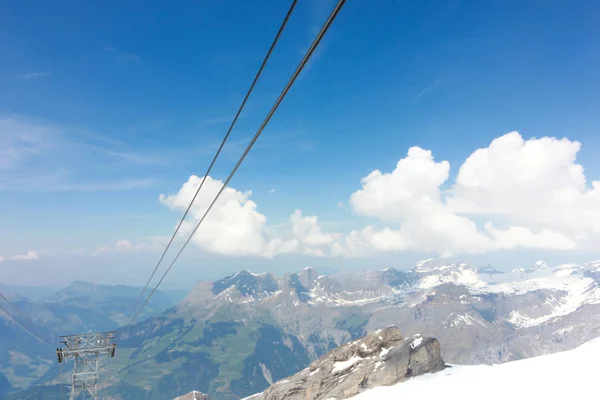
column 86, row 350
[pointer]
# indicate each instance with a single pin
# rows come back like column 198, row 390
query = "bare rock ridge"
column 381, row 358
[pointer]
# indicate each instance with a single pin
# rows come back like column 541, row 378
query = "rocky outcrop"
column 382, row 358
column 193, row 395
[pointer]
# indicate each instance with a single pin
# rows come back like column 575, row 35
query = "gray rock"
column 381, row 358
column 193, row 395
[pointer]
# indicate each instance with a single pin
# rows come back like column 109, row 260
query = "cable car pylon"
column 86, row 350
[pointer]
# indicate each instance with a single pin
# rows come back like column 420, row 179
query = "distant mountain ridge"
column 390, row 285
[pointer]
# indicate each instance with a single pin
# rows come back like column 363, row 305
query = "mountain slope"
column 236, row 336
column 383, row 357
column 31, row 293
column 110, row 305
column 563, row 375
column 77, row 308
column 22, row 358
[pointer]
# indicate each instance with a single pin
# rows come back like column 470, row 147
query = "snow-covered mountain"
column 564, row 375
column 486, row 311
column 563, row 289
column 246, row 331
column 525, row 298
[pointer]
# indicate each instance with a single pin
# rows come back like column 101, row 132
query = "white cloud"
column 306, row 230
column 409, row 198
column 528, row 193
column 100, row 250
column 512, row 194
column 535, row 182
column 1, row 259
column 21, row 141
column 271, row 191
column 233, row 226
column 124, row 246
column 43, row 156
column 29, row 256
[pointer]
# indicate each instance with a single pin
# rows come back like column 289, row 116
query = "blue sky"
column 105, row 107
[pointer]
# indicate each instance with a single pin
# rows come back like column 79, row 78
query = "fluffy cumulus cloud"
column 534, row 184
column 233, row 226
column 29, row 256
column 515, row 193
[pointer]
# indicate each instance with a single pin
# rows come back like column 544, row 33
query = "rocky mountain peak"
column 384, row 357
column 193, row 395
column 293, row 286
column 308, row 276
column 246, row 283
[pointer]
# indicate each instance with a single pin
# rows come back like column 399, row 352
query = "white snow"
column 344, row 298
column 566, row 330
column 273, row 294
column 577, row 290
column 461, row 275
column 250, row 397
column 226, row 294
column 566, row 375
column 573, row 290
column 341, row 366
column 383, row 352
column 416, row 342
column 564, row 272
column 455, row 320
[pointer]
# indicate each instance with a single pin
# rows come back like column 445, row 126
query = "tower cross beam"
column 85, row 350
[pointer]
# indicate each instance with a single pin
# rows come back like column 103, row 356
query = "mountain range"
column 236, row 336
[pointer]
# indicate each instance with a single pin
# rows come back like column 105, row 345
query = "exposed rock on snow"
column 565, row 375
column 382, row 358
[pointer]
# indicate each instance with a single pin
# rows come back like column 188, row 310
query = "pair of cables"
column 291, row 81
column 26, row 327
